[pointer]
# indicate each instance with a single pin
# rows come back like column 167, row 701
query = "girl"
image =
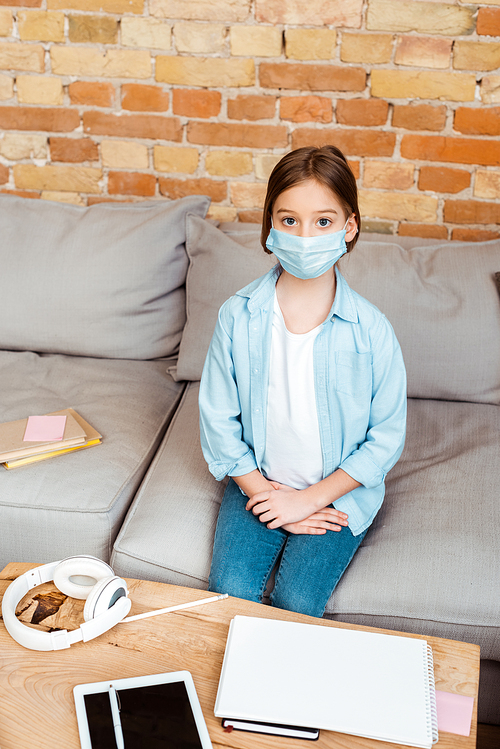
column 302, row 399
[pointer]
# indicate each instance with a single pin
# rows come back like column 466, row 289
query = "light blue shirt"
column 360, row 385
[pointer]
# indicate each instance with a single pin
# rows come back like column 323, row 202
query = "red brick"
column 367, row 112
column 306, row 109
column 244, row 136
column 351, row 142
column 426, row 231
column 443, row 179
column 21, row 193
column 4, row 174
column 179, row 188
column 247, row 107
column 355, row 167
column 93, row 199
column 312, row 77
column 73, row 150
column 37, row 118
column 481, row 121
column 474, row 235
column 139, row 98
column 131, row 183
column 488, row 21
column 92, row 94
column 133, row 126
column 196, row 103
column 250, row 217
column 459, row 150
column 471, row 212
column 419, row 117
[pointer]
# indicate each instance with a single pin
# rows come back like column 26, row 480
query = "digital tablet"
column 156, row 711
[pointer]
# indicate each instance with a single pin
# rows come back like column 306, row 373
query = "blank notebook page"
column 351, row 681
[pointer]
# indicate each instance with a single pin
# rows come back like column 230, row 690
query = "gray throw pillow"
column 101, row 281
column 218, row 267
column 442, row 301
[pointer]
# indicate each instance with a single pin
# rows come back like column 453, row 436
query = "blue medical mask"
column 307, row 257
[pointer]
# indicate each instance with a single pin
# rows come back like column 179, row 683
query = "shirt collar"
column 259, row 292
column 344, row 304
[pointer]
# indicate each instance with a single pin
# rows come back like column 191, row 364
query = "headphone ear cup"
column 103, row 596
column 76, row 576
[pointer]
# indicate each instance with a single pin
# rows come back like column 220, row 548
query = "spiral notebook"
column 363, row 683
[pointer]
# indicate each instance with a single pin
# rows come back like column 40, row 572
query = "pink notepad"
column 45, row 429
column 454, row 712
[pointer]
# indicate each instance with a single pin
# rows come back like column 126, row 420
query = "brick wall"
column 141, row 99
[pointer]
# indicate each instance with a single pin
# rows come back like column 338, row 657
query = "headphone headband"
column 107, row 610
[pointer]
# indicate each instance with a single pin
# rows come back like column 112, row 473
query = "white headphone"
column 84, row 577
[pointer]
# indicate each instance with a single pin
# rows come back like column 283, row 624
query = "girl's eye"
column 289, row 221
column 324, row 222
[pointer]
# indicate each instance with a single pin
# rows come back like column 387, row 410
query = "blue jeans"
column 245, row 552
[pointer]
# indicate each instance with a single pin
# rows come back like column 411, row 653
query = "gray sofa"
column 92, row 308
column 110, row 310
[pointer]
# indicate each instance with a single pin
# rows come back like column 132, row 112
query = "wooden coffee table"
column 36, row 698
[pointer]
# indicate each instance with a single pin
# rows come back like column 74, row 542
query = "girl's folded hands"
column 283, row 506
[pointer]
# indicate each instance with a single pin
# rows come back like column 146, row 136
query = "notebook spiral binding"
column 431, row 695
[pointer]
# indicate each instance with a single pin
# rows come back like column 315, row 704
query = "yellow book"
column 91, row 438
column 13, row 445
column 43, row 456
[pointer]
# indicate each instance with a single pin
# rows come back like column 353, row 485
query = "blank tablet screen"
column 156, row 716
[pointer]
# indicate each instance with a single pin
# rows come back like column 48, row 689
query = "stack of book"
column 38, row 438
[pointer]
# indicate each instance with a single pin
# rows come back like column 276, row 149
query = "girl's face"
column 310, row 209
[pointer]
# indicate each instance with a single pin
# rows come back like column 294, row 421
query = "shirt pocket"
column 353, row 373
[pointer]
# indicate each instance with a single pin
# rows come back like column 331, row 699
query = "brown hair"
column 328, row 166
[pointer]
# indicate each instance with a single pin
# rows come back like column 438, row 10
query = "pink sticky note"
column 45, row 429
column 454, row 712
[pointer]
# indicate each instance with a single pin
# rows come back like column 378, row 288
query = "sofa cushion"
column 102, row 281
column 429, row 563
column 75, row 503
column 218, row 267
column 175, row 509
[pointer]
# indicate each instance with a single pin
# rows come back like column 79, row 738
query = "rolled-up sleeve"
column 221, row 429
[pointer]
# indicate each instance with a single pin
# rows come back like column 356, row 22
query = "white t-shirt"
column 293, row 446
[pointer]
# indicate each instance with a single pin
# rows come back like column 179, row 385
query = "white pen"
column 115, row 712
column 175, row 608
